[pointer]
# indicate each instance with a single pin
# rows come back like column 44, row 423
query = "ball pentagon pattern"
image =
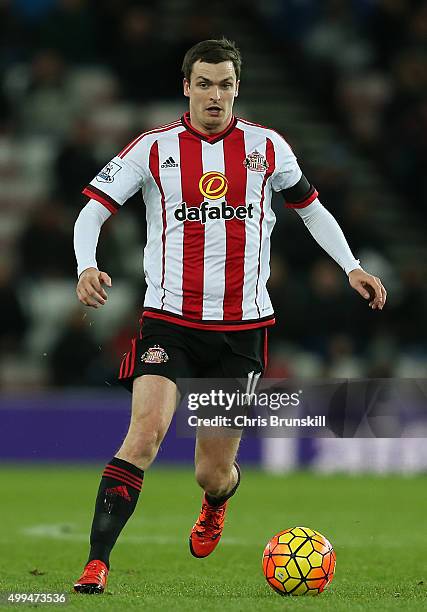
column 298, row 561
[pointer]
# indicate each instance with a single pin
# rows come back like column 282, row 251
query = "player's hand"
column 369, row 287
column 89, row 288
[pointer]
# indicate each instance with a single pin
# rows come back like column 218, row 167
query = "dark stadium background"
column 344, row 81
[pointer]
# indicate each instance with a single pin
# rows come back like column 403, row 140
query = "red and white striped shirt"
column 209, row 218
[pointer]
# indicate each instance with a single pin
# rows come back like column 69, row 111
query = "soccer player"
column 207, row 181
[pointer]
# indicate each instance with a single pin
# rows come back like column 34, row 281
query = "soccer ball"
column 298, row 561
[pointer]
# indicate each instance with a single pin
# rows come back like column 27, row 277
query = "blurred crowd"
column 366, row 61
column 79, row 79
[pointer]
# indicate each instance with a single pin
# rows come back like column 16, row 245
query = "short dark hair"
column 213, row 52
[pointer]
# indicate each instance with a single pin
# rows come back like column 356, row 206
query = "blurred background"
column 344, row 81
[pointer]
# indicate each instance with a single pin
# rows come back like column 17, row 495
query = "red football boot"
column 94, row 578
column 207, row 531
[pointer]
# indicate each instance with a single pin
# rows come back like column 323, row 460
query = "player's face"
column 211, row 90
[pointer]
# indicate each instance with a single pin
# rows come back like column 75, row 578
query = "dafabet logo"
column 213, row 185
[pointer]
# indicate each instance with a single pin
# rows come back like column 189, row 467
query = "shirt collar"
column 210, row 138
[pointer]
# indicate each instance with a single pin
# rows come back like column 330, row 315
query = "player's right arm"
column 109, row 190
column 86, row 233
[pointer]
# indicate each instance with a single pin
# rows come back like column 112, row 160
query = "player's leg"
column 153, row 404
column 243, row 357
column 154, row 401
column 215, row 468
column 218, row 475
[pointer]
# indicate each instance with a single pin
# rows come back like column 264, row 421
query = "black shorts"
column 177, row 352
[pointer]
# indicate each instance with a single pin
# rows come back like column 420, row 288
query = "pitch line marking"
column 61, row 531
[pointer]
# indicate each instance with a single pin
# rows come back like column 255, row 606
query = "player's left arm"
column 300, row 194
column 326, row 231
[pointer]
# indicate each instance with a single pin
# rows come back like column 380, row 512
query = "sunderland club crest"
column 155, row 354
column 256, row 162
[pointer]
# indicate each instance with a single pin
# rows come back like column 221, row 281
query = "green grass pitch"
column 376, row 524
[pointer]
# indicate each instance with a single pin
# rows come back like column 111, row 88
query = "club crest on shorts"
column 155, row 354
column 256, row 162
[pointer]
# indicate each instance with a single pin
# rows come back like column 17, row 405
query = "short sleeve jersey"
column 209, row 218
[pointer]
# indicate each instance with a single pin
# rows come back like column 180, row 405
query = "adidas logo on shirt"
column 169, row 163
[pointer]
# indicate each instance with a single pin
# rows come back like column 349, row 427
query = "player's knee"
column 141, row 449
column 215, row 479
